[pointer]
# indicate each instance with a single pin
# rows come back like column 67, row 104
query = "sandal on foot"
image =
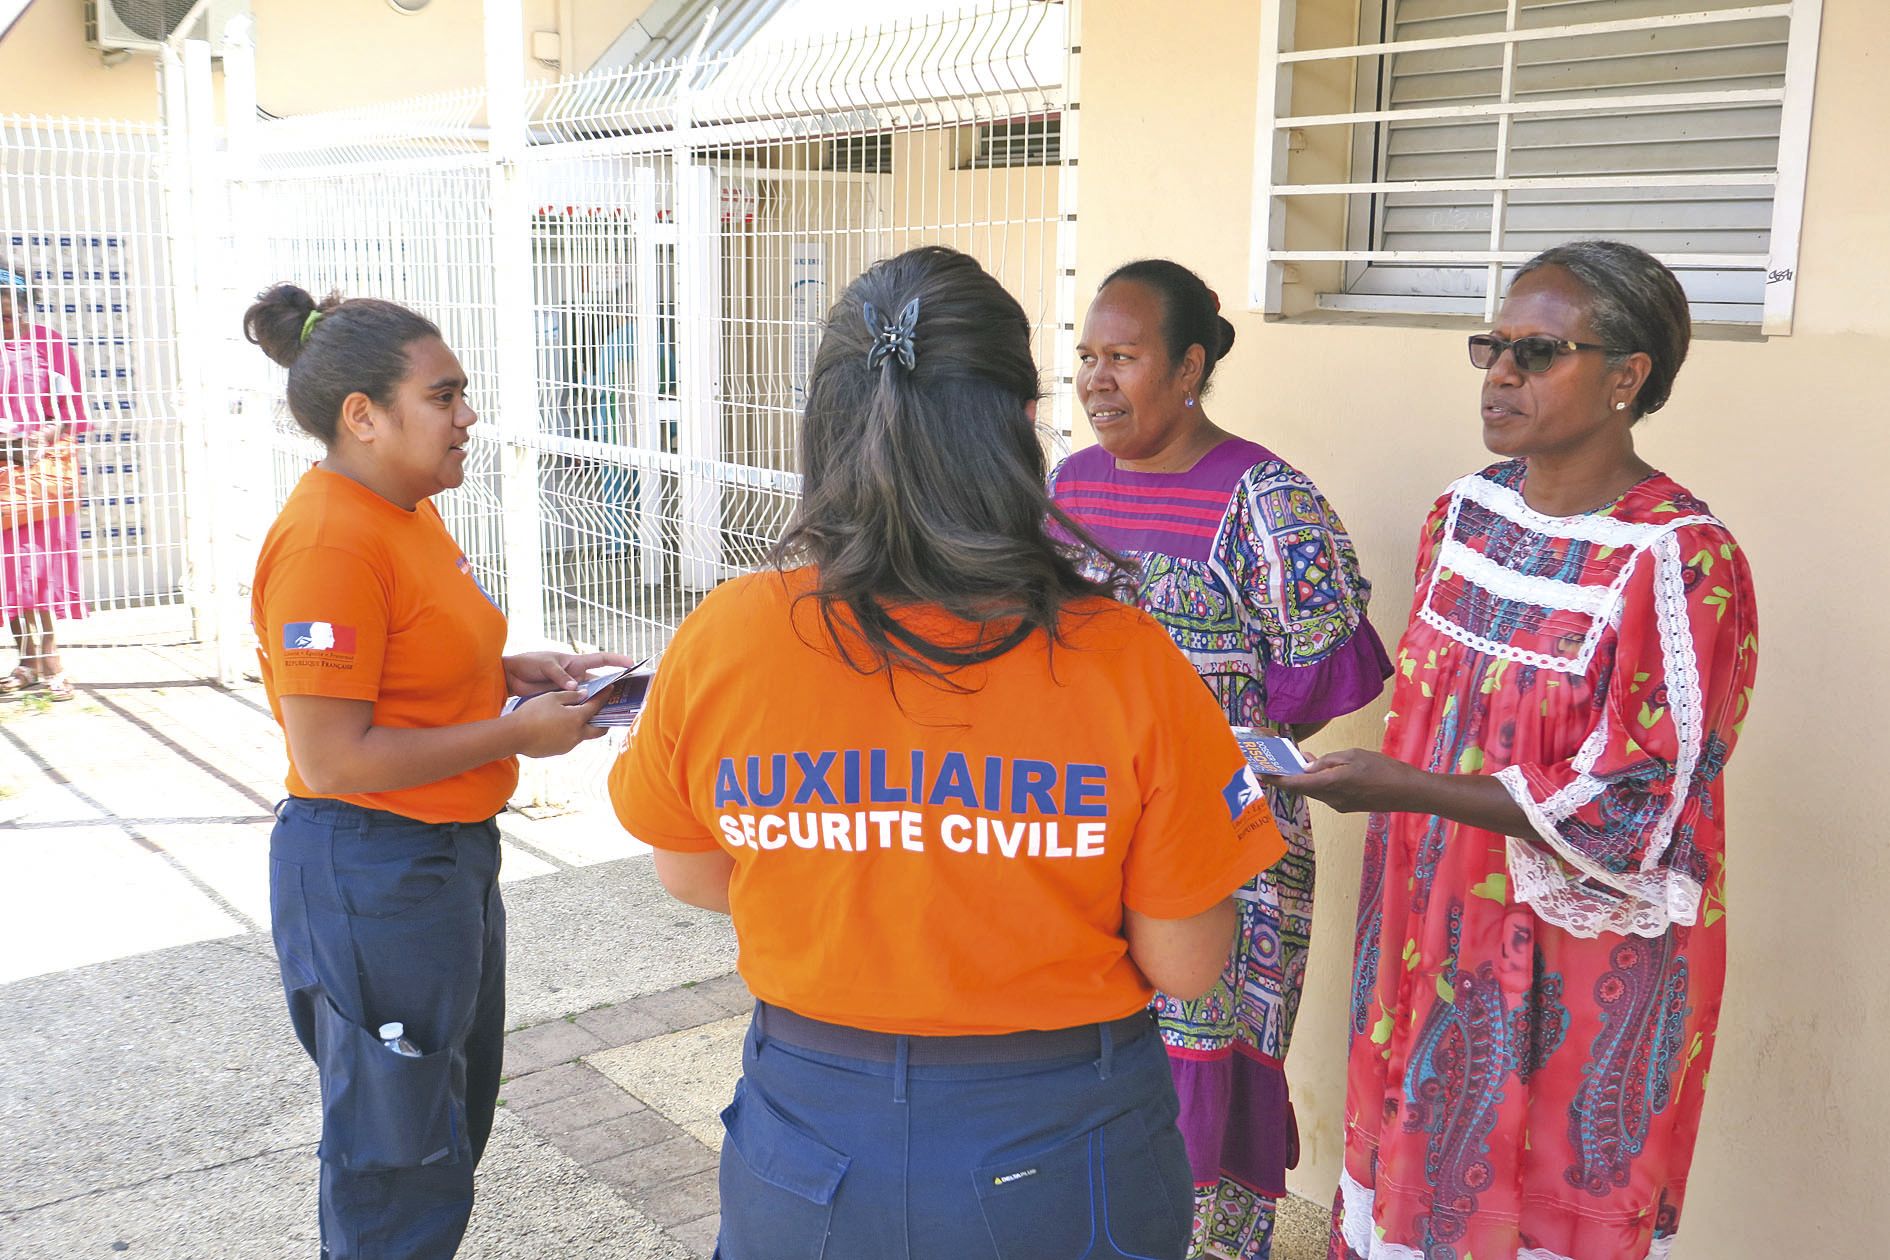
column 21, row 679
column 57, row 688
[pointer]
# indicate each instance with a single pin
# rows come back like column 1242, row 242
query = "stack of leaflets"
column 1271, row 754
column 623, row 690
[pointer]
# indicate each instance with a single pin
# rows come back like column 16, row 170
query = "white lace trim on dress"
column 1608, row 531
column 1355, row 1214
column 1637, row 904
column 1503, row 651
column 1602, row 604
column 1523, row 588
column 1684, row 697
column 1584, row 787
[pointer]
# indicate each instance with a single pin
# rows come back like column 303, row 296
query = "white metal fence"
column 83, row 216
column 632, row 267
column 635, row 274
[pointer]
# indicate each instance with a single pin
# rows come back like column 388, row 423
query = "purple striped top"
column 1172, row 514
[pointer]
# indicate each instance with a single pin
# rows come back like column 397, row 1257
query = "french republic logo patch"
column 1241, row 791
column 318, row 636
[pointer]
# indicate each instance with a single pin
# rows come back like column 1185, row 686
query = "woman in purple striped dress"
column 1243, row 561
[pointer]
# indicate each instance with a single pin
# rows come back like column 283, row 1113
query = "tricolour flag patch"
column 317, row 636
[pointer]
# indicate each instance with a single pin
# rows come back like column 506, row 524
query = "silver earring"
column 1189, row 401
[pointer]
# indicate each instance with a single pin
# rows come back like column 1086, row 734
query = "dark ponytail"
column 333, row 348
column 926, row 483
column 1191, row 312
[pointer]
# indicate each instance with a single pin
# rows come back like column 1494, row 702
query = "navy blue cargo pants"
column 378, row 918
column 829, row 1157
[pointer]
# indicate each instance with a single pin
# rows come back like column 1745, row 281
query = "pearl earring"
column 1620, row 406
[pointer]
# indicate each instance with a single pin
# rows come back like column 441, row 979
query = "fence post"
column 229, row 458
column 515, row 350
column 698, row 201
column 646, row 352
column 515, row 332
column 1068, row 182
column 185, row 142
column 699, row 373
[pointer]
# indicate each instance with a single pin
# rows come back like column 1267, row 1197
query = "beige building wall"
column 311, row 55
column 1786, row 438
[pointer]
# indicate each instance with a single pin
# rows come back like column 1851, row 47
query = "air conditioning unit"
column 144, row 25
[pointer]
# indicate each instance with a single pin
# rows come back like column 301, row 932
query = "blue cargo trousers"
column 379, row 918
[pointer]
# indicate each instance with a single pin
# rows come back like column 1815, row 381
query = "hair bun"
column 276, row 319
column 1227, row 336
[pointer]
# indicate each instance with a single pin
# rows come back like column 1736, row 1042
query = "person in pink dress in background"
column 1541, row 942
column 42, row 405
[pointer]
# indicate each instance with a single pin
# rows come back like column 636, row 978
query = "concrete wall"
column 311, row 55
column 1785, row 438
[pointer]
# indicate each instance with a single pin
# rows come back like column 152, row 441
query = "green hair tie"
column 308, row 325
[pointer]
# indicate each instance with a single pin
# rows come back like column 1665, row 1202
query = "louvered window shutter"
column 1630, row 152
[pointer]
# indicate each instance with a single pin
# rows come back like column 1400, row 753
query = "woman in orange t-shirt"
column 382, row 657
column 966, row 810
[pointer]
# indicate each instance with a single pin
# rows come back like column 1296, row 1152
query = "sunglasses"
column 1533, row 354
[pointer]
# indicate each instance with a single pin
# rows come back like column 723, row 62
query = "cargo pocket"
column 777, row 1184
column 382, row 1110
column 1099, row 1196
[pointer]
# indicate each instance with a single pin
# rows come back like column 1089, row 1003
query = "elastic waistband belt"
column 777, row 1023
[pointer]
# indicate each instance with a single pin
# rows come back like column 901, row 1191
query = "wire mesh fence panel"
column 88, row 365
column 683, row 229
column 420, row 237
column 693, row 224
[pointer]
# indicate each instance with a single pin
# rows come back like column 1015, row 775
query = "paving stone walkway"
column 632, row 1094
column 567, row 1079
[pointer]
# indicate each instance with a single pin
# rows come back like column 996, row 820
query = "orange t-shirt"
column 942, row 862
column 360, row 599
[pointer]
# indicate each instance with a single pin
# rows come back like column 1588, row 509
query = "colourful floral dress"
column 1251, row 572
column 39, row 560
column 1533, row 1017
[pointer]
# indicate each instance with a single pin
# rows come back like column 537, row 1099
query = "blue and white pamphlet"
column 624, row 692
column 1271, row 754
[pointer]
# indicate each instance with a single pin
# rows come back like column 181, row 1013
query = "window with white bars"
column 868, row 155
column 1019, row 142
column 1484, row 131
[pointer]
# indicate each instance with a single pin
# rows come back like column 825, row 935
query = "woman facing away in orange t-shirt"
column 966, row 811
column 382, row 657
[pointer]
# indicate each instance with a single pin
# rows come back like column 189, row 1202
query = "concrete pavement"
column 152, row 1100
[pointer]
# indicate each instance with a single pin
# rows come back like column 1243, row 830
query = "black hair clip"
column 892, row 337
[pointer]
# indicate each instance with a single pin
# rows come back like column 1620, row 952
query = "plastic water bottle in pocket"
column 394, row 1037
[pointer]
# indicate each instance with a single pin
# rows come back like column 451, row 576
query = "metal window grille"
column 1019, row 142
column 869, row 155
column 1487, row 130
column 83, row 216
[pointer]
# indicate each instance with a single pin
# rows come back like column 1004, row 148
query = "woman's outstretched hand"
column 529, row 673
column 1355, row 780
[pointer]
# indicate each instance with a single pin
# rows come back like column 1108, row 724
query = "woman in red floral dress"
column 1541, row 940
